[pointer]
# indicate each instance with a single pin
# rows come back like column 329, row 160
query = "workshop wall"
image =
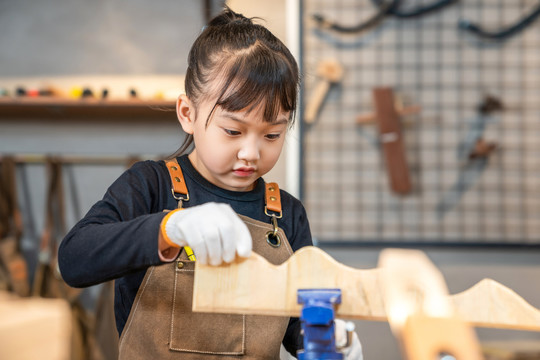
column 475, row 217
column 111, row 44
column 453, row 194
column 59, row 37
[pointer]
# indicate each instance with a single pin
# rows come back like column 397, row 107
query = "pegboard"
column 448, row 72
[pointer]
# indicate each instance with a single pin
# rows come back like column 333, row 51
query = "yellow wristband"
column 164, row 232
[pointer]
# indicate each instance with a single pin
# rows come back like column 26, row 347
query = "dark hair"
column 256, row 68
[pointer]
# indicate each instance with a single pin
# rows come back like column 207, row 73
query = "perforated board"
column 448, row 72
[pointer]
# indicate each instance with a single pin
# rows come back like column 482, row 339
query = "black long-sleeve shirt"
column 118, row 237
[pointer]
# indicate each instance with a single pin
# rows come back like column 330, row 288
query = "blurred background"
column 93, row 84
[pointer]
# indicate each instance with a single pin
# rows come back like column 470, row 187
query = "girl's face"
column 235, row 148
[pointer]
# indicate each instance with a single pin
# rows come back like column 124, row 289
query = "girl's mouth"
column 244, row 172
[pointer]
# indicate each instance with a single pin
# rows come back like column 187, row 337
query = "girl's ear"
column 185, row 113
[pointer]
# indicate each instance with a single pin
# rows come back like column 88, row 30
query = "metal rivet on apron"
column 177, row 179
column 180, row 265
column 273, row 198
column 271, row 188
column 273, row 239
column 174, row 168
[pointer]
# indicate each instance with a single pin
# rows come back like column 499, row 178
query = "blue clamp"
column 317, row 319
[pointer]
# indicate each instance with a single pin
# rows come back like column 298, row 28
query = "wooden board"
column 254, row 286
column 420, row 312
column 34, row 328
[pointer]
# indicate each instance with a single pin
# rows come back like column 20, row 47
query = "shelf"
column 60, row 108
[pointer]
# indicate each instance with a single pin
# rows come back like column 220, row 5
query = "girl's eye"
column 232, row 132
column 273, row 136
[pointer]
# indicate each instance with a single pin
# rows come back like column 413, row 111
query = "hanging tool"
column 387, row 114
column 417, row 11
column 13, row 266
column 467, row 177
column 503, row 34
column 331, row 72
column 474, row 145
column 317, row 318
column 373, row 21
column 391, row 138
column 473, row 153
column 384, row 8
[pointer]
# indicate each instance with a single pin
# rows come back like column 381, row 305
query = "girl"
column 240, row 95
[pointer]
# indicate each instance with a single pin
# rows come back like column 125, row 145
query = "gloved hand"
column 213, row 231
column 354, row 350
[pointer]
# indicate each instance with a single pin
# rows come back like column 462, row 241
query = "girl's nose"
column 249, row 151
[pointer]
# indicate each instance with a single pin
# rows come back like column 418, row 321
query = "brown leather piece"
column 273, row 198
column 177, row 177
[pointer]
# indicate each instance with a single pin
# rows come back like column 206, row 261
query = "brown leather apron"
column 161, row 324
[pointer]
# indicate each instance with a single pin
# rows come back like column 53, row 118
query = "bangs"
column 259, row 77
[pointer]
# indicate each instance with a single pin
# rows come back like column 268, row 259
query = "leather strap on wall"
column 47, row 279
column 10, row 215
column 13, row 267
column 55, row 226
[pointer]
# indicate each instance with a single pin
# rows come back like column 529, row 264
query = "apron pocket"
column 206, row 333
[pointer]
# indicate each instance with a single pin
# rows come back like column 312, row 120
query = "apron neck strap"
column 179, row 188
column 179, row 191
column 272, row 200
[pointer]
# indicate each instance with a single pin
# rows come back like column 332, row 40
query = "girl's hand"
column 213, row 231
column 354, row 350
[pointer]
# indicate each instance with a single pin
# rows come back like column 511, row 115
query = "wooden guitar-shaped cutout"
column 254, row 286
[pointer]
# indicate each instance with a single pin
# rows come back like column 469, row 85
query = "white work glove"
column 354, row 350
column 213, row 231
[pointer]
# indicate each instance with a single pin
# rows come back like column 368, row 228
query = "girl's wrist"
column 167, row 249
column 163, row 229
column 166, row 252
